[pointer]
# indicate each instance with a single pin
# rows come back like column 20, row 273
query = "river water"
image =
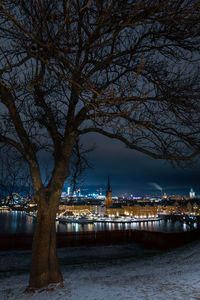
column 19, row 222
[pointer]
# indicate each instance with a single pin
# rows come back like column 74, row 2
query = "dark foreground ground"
column 109, row 272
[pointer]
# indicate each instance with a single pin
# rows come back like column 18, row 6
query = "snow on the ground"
column 118, row 272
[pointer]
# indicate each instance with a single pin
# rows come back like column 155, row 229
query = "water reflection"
column 15, row 222
column 19, row 222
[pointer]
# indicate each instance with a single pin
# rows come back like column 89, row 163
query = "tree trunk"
column 45, row 268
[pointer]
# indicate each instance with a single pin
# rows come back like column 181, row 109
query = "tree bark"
column 45, row 268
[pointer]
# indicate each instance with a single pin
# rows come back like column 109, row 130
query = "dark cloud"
column 131, row 171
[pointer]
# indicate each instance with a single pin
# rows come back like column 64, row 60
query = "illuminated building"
column 76, row 209
column 100, row 210
column 168, row 209
column 192, row 193
column 164, row 196
column 68, row 191
column 133, row 211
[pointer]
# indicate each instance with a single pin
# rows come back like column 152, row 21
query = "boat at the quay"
column 5, row 207
column 96, row 219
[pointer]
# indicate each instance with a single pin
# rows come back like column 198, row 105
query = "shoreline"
column 152, row 239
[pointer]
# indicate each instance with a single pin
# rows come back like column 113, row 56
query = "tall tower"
column 192, row 193
column 108, row 201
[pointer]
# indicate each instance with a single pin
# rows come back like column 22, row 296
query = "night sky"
column 134, row 172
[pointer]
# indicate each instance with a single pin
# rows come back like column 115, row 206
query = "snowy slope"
column 122, row 272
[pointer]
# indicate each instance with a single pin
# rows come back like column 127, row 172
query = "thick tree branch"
column 140, row 149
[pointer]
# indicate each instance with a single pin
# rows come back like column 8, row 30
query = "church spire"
column 108, row 201
column 108, row 187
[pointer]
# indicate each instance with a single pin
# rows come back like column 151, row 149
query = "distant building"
column 76, row 209
column 192, row 193
column 68, row 191
column 164, row 196
column 100, row 210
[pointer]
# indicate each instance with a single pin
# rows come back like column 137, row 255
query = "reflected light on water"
column 19, row 222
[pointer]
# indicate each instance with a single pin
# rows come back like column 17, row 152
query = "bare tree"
column 14, row 175
column 126, row 69
column 79, row 164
